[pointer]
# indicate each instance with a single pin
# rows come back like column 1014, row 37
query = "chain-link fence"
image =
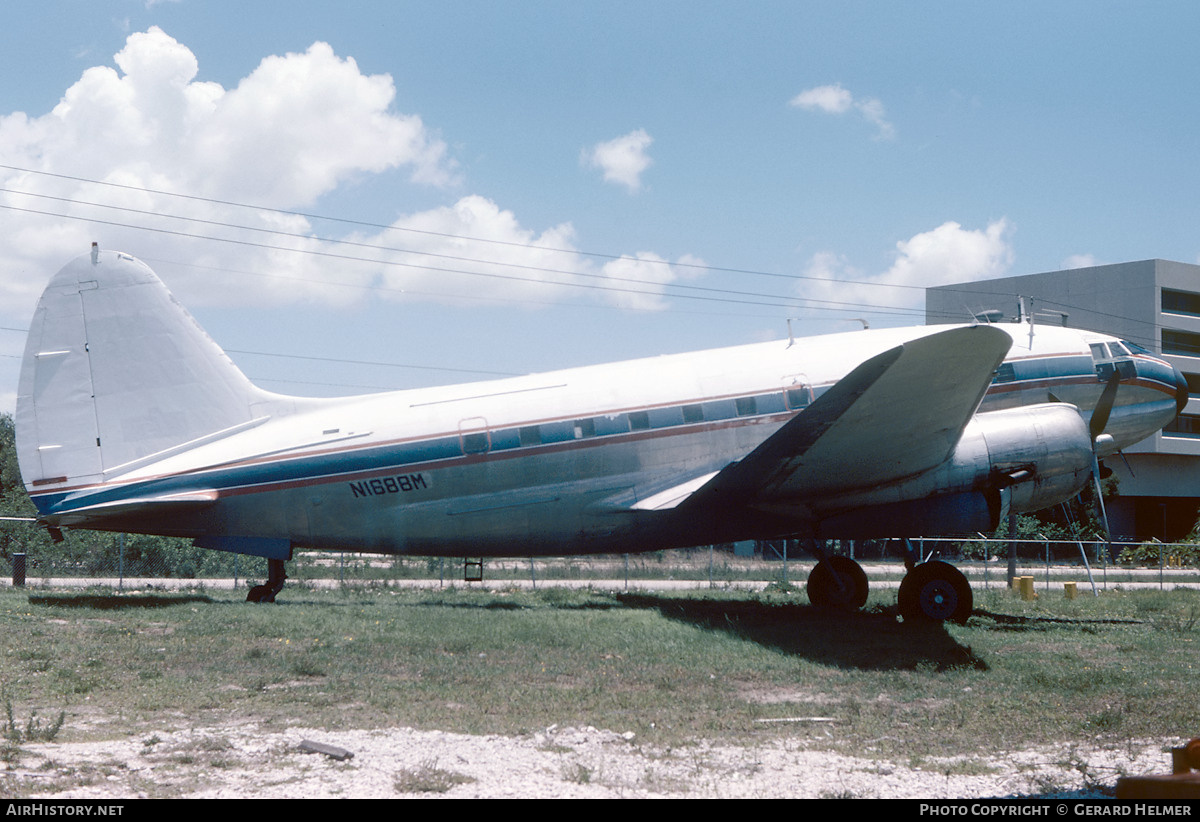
column 120, row 560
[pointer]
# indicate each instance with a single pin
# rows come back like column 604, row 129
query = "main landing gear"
column 935, row 590
column 837, row 582
column 932, row 590
column 274, row 584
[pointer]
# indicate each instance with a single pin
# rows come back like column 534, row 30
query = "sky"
column 364, row 196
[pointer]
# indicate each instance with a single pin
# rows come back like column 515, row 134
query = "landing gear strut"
column 935, row 590
column 275, row 579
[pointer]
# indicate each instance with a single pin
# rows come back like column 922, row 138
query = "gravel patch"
column 554, row 763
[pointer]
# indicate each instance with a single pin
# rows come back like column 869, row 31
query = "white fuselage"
column 558, row 463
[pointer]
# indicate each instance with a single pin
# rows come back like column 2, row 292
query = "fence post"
column 1047, row 566
column 1012, row 549
column 987, row 557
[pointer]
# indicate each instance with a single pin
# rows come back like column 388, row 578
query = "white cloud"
column 623, row 159
column 946, row 254
column 830, row 99
column 1079, row 261
column 837, row 100
column 297, row 128
column 476, row 249
column 951, row 254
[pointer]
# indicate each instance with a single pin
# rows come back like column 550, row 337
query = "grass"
column 670, row 668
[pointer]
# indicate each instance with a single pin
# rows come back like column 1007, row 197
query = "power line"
column 429, row 233
column 777, row 300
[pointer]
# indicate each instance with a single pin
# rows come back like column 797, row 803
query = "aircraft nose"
column 1181, row 391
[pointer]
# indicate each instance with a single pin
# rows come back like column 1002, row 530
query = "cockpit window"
column 1135, row 348
column 1110, row 357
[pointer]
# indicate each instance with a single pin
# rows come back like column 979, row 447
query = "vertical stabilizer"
column 116, row 371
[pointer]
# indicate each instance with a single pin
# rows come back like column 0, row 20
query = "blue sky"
column 538, row 185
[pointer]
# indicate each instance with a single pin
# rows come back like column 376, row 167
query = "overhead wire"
column 595, row 281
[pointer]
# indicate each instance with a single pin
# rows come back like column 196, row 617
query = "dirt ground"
column 554, row 763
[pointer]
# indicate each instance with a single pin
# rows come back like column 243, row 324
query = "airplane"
column 130, row 418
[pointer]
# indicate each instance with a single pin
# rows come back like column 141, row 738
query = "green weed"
column 428, row 778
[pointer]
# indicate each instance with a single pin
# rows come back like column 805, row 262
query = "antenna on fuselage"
column 1062, row 316
column 990, row 317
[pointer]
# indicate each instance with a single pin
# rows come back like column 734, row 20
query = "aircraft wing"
column 896, row 415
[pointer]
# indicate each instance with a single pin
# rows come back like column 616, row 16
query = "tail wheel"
column 937, row 591
column 837, row 582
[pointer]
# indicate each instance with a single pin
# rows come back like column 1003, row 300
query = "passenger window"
column 693, row 413
column 746, row 406
column 475, row 443
column 798, row 397
column 473, row 436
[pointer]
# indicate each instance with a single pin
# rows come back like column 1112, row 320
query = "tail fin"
column 115, row 372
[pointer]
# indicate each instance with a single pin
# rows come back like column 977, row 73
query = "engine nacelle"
column 1041, row 453
column 1018, row 459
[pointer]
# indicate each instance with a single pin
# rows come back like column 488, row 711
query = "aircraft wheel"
column 936, row 591
column 824, row 589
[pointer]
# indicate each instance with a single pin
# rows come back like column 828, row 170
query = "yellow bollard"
column 1027, row 592
column 1069, row 590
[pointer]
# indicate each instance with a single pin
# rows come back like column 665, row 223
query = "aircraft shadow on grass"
column 115, row 602
column 868, row 640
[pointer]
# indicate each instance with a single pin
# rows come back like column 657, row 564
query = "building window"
column 1185, row 425
column 1193, row 384
column 1180, row 302
column 1182, row 343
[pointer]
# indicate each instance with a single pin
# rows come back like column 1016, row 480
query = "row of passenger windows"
column 1042, row 368
column 792, row 399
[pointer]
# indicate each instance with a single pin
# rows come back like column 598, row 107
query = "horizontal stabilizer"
column 106, row 513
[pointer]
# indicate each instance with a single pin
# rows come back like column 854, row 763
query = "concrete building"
column 1154, row 303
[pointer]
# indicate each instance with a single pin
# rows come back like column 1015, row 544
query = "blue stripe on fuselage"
column 370, row 461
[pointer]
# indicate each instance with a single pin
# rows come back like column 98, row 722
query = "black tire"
column 825, row 591
column 935, row 591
